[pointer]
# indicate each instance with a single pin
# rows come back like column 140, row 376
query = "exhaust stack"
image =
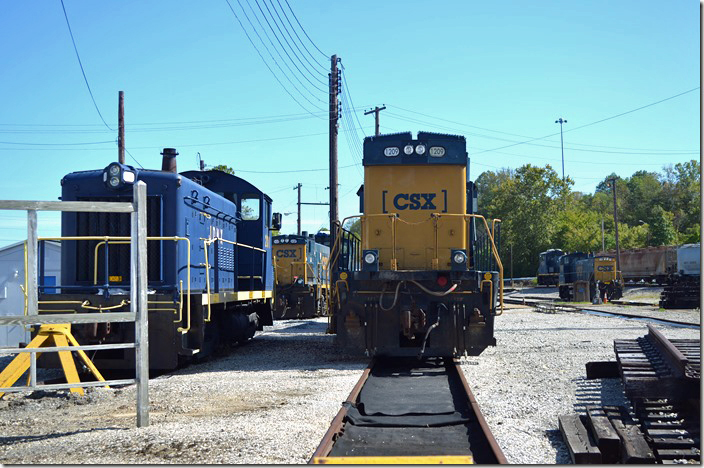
column 168, row 160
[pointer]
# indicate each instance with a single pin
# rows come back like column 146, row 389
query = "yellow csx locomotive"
column 579, row 271
column 301, row 276
column 422, row 286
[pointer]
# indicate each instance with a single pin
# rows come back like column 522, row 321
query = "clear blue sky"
column 502, row 72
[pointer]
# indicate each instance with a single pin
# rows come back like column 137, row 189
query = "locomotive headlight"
column 128, row 177
column 300, row 281
column 114, row 181
column 371, row 260
column 408, row 149
column 459, row 260
column 113, row 169
column 276, row 241
column 420, row 149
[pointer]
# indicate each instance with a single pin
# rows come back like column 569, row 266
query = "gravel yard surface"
column 272, row 400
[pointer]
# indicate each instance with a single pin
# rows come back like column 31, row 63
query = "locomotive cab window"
column 249, row 208
column 228, row 196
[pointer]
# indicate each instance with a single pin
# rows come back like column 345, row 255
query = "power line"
column 265, row 62
column 57, row 144
column 570, row 147
column 304, row 31
column 598, row 121
column 298, row 37
column 264, row 30
column 82, row 70
column 633, row 110
column 323, row 82
column 298, row 170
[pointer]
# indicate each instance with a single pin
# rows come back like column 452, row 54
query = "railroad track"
column 409, row 411
column 549, row 305
column 662, row 378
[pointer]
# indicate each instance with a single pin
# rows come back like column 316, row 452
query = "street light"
column 561, row 121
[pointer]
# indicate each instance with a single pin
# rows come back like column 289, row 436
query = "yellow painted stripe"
column 420, row 460
column 218, row 298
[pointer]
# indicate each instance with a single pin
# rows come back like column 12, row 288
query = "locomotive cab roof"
column 219, row 181
column 427, row 149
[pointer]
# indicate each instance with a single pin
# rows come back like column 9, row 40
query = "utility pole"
column 618, row 250
column 603, row 247
column 562, row 148
column 334, row 103
column 298, row 187
column 121, row 127
column 376, row 111
column 511, row 264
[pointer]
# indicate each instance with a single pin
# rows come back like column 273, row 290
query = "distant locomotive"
column 597, row 275
column 549, row 268
column 301, row 276
column 210, row 275
column 419, row 289
column 682, row 290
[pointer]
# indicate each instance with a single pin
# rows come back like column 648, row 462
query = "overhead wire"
column 273, row 46
column 265, row 62
column 299, row 37
column 311, row 73
column 650, row 153
column 593, row 123
column 80, row 63
column 304, row 31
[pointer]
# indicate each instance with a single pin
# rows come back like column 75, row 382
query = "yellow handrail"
column 466, row 217
column 206, row 243
column 494, row 250
column 124, row 238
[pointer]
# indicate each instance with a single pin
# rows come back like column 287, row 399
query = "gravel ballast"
column 272, row 400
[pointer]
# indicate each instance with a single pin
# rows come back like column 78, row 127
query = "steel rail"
column 321, row 454
column 533, row 303
column 500, row 457
column 338, row 421
column 674, row 357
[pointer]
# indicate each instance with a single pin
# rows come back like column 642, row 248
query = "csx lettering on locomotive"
column 605, row 268
column 415, row 201
column 286, row 253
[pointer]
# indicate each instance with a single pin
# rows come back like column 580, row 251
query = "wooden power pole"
column 376, row 111
column 121, row 127
column 618, row 249
column 298, row 187
column 334, row 91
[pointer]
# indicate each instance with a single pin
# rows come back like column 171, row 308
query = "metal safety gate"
column 138, row 295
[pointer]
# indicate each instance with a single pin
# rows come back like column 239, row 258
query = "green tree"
column 643, row 194
column 223, row 168
column 662, row 229
column 527, row 200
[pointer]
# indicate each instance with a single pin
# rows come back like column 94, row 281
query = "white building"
column 12, row 277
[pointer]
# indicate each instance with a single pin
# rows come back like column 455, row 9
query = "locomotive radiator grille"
column 115, row 224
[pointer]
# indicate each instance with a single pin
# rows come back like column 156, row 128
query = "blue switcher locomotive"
column 210, row 276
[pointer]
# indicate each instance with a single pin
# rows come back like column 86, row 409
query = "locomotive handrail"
column 494, row 251
column 308, row 266
column 212, row 240
column 125, row 240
